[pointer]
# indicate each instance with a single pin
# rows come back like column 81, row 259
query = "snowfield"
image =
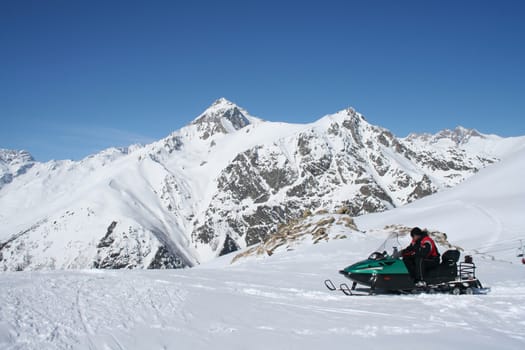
column 277, row 304
column 280, row 302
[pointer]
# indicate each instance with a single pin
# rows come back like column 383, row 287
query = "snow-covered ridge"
column 459, row 135
column 221, row 183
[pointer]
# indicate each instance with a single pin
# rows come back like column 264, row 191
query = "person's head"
column 416, row 233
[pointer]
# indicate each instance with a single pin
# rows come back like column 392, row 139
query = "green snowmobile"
column 388, row 273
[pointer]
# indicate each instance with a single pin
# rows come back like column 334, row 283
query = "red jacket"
column 426, row 248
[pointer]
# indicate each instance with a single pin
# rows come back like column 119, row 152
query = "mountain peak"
column 460, row 130
column 223, row 116
column 222, row 101
column 9, row 156
column 345, row 116
column 460, row 135
column 218, row 107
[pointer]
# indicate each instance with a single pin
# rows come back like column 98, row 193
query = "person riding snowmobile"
column 421, row 255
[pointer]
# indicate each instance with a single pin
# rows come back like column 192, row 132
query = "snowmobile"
column 388, row 273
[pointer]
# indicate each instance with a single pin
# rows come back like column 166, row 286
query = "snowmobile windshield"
column 391, row 247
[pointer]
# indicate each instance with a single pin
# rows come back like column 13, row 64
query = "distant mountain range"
column 219, row 184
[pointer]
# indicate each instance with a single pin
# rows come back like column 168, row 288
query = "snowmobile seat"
column 440, row 274
column 446, row 271
column 450, row 257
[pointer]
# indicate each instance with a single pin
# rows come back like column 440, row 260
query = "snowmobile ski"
column 346, row 289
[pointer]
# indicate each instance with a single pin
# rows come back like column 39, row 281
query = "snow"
column 492, row 201
column 279, row 302
column 469, row 140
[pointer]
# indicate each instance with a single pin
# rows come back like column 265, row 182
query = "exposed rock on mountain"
column 13, row 164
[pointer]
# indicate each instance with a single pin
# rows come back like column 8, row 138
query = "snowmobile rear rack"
column 467, row 271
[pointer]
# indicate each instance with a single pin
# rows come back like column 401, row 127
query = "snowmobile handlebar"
column 378, row 256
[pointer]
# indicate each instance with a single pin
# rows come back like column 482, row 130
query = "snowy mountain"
column 219, row 184
column 280, row 302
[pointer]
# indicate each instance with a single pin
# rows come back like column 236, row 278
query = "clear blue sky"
column 79, row 76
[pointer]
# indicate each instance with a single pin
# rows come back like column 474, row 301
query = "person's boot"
column 421, row 284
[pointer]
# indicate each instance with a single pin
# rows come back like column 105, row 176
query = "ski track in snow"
column 498, row 225
column 239, row 308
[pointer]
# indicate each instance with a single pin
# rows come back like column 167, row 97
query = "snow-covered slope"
column 279, row 301
column 467, row 140
column 221, row 183
column 483, row 214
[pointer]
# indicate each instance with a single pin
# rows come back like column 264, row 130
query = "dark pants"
column 418, row 266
